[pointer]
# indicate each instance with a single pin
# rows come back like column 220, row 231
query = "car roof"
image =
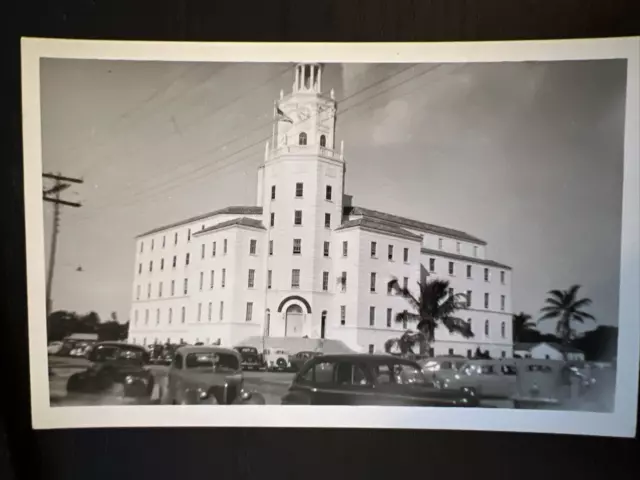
column 205, row 349
column 365, row 358
column 119, row 344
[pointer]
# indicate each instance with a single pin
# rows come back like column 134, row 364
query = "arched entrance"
column 293, row 321
column 323, row 323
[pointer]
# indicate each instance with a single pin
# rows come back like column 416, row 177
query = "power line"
column 168, row 183
column 61, row 183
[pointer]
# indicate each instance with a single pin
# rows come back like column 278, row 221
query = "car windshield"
column 213, row 361
column 247, row 350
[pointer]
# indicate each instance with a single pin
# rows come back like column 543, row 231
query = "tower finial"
column 341, row 148
column 281, row 94
column 266, row 151
column 333, row 94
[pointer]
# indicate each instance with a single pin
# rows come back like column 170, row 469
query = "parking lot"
column 270, row 384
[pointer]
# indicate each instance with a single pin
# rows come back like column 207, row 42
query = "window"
column 475, row 251
column 469, row 298
column 451, row 270
column 188, row 235
column 186, row 259
column 141, row 247
column 224, row 246
column 390, row 252
column 160, row 290
column 209, row 311
column 185, row 286
column 302, row 138
column 162, row 264
column 325, row 281
column 249, row 314
column 389, row 288
column 327, row 192
column 224, row 277
column 297, row 246
column 297, row 217
column 371, row 348
column 269, row 278
column 374, row 247
column 457, row 247
column 149, row 291
column 404, row 320
column 405, row 255
column 343, row 314
column 502, row 275
column 440, row 244
column 327, row 220
column 469, row 353
column 503, row 329
column 221, row 311
column 486, row 300
column 175, row 261
column 432, row 264
column 503, row 301
column 295, row 278
column 323, row 143
column 173, row 287
column 201, row 280
column 504, row 355
column 270, row 247
column 252, row 278
column 175, row 238
column 372, row 285
column 183, row 314
column 252, row 247
column 199, row 311
column 164, row 241
column 202, row 247
column 299, row 189
column 273, row 192
column 272, row 222
column 212, row 278
column 486, row 274
column 139, row 268
column 468, row 271
column 326, row 249
column 451, row 292
column 146, row 317
column 343, row 281
column 389, row 316
column 372, row 316
column 151, row 266
column 345, row 248
column 138, row 292
column 170, row 318
column 486, row 328
column 405, row 283
column 213, row 249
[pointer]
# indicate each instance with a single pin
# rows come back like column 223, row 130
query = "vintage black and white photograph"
column 245, row 234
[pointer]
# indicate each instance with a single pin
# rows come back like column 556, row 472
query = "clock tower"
column 300, row 188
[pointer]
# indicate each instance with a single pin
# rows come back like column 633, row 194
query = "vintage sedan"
column 251, row 358
column 363, row 379
column 298, row 360
column 491, row 379
column 206, row 375
column 116, row 368
column 276, row 359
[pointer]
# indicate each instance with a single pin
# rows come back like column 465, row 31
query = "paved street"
column 270, row 384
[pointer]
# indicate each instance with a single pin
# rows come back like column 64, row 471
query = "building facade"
column 304, row 261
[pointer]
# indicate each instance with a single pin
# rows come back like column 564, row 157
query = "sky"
column 527, row 156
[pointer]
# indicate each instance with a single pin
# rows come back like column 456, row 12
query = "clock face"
column 304, row 113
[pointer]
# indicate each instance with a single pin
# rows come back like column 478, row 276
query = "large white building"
column 304, row 261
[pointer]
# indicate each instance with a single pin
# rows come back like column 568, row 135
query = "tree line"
column 63, row 323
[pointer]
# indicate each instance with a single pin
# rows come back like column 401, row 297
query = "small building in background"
column 547, row 351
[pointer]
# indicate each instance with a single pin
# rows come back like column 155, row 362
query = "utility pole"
column 53, row 195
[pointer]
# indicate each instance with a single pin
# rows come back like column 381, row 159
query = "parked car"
column 80, row 349
column 251, row 358
column 299, row 359
column 116, row 368
column 363, row 379
column 276, row 359
column 491, row 379
column 437, row 368
column 54, row 348
column 206, row 375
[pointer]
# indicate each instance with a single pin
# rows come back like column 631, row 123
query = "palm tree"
column 522, row 326
column 566, row 307
column 434, row 306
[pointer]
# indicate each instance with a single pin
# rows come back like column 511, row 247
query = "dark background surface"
column 271, row 453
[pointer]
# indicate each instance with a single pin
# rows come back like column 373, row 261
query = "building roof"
column 455, row 256
column 380, row 227
column 236, row 210
column 240, row 221
column 557, row 346
column 187, row 349
column 413, row 224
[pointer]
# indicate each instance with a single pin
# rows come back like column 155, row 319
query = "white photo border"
column 620, row 423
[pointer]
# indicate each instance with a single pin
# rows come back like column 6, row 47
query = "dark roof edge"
column 464, row 258
column 400, row 233
column 234, row 222
column 221, row 211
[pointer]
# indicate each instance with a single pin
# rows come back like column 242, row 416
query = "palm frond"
column 458, row 325
column 548, row 316
column 583, row 302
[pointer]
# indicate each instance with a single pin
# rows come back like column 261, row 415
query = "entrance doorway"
column 293, row 321
column 323, row 323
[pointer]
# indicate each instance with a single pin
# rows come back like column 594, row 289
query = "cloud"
column 392, row 124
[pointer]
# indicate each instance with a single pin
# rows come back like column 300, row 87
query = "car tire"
column 74, row 383
column 281, row 363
